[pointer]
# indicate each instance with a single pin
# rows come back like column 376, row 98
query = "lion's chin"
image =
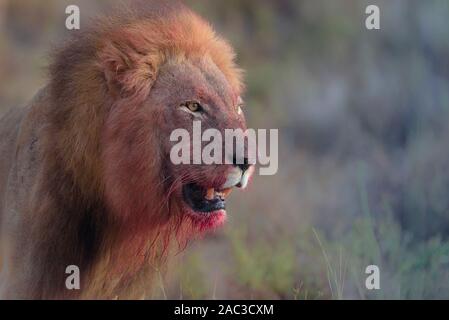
column 205, row 221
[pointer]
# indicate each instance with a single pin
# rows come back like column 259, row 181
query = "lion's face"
column 183, row 92
column 162, row 75
column 197, row 91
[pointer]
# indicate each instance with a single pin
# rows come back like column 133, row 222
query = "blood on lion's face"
column 185, row 91
column 190, row 77
column 201, row 93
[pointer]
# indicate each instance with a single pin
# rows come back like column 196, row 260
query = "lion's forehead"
column 200, row 79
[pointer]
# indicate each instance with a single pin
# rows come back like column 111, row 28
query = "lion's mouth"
column 205, row 200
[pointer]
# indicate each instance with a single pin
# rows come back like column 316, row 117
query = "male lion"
column 85, row 171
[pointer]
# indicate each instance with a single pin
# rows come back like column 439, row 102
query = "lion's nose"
column 243, row 166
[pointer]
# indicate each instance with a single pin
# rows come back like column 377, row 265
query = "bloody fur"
column 100, row 204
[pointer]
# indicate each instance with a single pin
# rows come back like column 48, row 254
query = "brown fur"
column 84, row 178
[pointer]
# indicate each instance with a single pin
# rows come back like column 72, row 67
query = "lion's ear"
column 127, row 71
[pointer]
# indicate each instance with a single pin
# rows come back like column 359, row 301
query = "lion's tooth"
column 226, row 192
column 210, row 194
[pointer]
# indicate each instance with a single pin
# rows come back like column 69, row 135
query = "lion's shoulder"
column 21, row 130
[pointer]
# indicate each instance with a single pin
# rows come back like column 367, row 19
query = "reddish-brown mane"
column 132, row 44
column 117, row 224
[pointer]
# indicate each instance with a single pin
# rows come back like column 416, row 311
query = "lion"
column 85, row 174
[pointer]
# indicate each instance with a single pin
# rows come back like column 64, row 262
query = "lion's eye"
column 239, row 109
column 192, row 106
column 239, row 106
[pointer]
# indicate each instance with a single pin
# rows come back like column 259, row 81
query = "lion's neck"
column 113, row 255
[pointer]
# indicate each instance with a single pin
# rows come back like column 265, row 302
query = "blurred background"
column 364, row 160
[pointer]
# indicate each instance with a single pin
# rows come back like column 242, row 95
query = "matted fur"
column 72, row 191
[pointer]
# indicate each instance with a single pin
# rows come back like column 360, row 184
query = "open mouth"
column 205, row 200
